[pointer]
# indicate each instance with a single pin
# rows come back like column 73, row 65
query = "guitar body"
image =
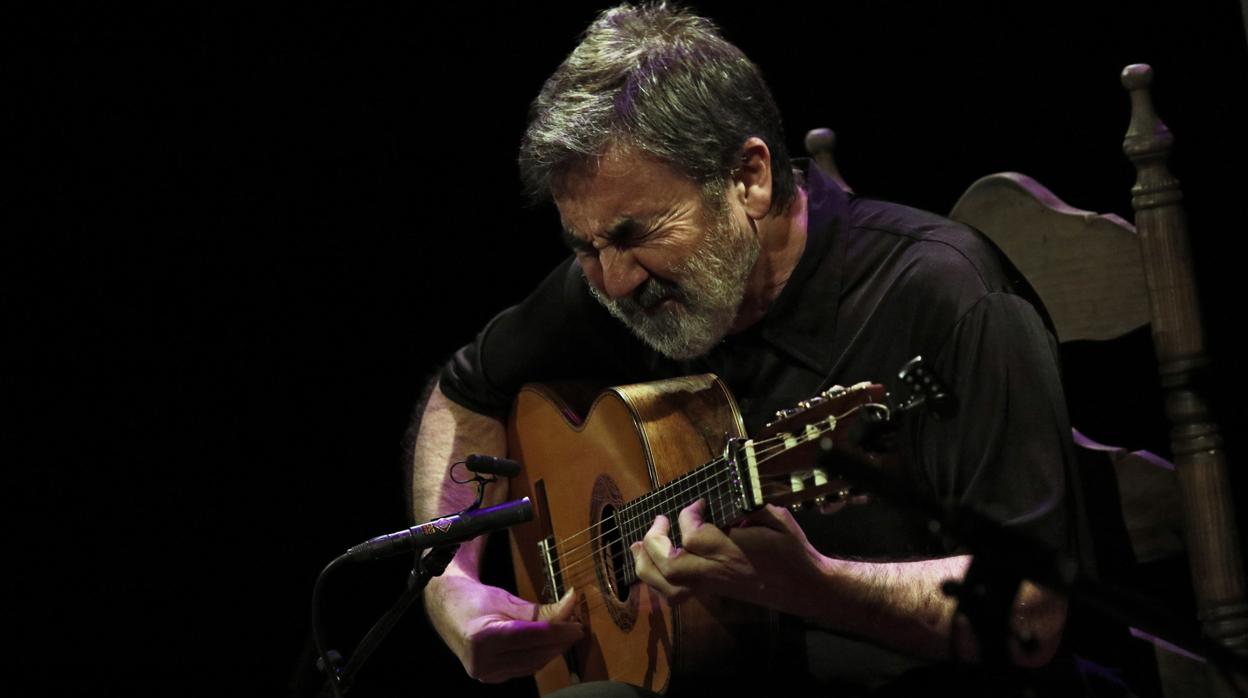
column 577, row 472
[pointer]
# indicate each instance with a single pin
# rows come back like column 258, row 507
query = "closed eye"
column 578, row 245
column 625, row 233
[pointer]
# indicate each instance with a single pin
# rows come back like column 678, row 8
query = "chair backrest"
column 1085, row 266
column 1100, row 277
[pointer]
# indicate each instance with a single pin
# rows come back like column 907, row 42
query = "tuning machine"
column 830, row 503
column 829, row 394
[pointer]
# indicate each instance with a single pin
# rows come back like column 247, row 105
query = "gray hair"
column 663, row 82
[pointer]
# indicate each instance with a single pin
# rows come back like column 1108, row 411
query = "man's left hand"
column 767, row 560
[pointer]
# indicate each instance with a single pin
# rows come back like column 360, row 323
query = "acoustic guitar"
column 597, row 482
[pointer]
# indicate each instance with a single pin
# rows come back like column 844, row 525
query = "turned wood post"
column 821, row 144
column 1208, row 511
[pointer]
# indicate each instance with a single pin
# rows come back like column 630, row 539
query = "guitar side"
column 633, row 439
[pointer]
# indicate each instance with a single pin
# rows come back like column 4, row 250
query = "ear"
column 752, row 178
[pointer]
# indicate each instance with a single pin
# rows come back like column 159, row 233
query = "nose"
column 621, row 273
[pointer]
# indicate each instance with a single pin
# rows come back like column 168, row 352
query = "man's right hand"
column 498, row 636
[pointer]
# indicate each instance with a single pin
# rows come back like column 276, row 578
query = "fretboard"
column 712, row 482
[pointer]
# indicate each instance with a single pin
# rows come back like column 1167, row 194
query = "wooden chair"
column 1101, row 278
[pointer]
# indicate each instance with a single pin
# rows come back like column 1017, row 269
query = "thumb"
column 562, row 610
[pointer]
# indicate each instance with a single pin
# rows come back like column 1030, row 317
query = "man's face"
column 665, row 259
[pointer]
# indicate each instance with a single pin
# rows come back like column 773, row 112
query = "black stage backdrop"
column 242, row 237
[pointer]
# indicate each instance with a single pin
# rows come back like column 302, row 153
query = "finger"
column 698, row 538
column 562, row 610
column 661, row 526
column 658, row 545
column 649, row 573
column 690, row 518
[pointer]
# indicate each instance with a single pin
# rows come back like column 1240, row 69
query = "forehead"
column 623, row 185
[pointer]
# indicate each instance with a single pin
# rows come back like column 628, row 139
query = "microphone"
column 443, row 531
column 492, row 465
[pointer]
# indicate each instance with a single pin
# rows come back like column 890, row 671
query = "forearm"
column 900, row 604
column 496, row 635
column 448, row 434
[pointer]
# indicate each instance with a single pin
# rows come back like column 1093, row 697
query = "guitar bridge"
column 550, row 565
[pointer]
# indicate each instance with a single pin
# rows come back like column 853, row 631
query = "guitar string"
column 576, row 572
column 664, row 505
column 761, row 451
column 718, row 481
column 575, row 567
column 768, row 453
column 579, row 579
column 595, row 597
column 648, row 510
column 764, row 450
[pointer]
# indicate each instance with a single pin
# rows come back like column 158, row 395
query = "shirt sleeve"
column 1007, row 451
column 559, row 332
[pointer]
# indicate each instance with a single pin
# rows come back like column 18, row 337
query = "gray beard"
column 708, row 291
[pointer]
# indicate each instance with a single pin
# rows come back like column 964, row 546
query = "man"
column 697, row 247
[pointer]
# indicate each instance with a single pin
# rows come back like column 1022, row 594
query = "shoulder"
column 558, row 332
column 930, row 247
column 927, row 259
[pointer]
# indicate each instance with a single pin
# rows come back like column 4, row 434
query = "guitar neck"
column 715, row 483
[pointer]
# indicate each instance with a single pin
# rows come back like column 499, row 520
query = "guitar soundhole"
column 611, row 555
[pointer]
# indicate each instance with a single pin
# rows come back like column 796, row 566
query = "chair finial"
column 820, row 140
column 1148, row 140
column 1137, row 76
column 820, row 143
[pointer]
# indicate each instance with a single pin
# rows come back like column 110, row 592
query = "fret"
column 715, row 503
column 712, row 498
column 740, row 478
column 712, row 482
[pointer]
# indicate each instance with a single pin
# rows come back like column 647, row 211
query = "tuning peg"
column 786, row 413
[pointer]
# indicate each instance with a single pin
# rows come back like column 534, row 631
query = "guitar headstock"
column 786, row 464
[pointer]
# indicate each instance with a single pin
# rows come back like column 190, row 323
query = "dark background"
column 241, row 239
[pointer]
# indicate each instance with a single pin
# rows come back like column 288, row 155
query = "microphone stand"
column 472, row 521
column 431, row 564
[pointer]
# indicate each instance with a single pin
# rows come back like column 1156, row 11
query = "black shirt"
column 877, row 284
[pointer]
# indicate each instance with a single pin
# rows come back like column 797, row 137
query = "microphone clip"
column 484, row 469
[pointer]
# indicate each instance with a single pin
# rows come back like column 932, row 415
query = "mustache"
column 653, row 290
column 646, row 295
column 650, row 293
